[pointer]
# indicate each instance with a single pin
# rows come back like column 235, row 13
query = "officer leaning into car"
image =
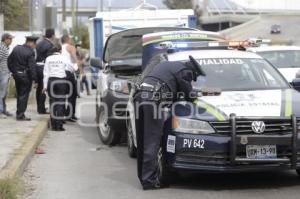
column 43, row 49
column 22, row 65
column 56, row 86
column 165, row 79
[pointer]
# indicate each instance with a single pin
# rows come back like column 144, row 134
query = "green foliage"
column 15, row 14
column 179, row 4
column 81, row 32
column 9, row 188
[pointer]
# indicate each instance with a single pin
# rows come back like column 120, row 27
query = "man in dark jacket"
column 162, row 84
column 22, row 65
column 43, row 49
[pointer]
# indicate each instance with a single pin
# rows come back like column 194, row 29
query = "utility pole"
column 73, row 6
column 30, row 15
column 1, row 16
column 64, row 11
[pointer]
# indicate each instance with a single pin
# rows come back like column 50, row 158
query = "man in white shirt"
column 56, row 85
column 69, row 52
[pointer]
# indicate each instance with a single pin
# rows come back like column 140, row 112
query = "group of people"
column 50, row 67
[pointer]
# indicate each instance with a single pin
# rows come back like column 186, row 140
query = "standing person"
column 165, row 79
column 55, row 85
column 69, row 52
column 43, row 50
column 22, row 65
column 6, row 40
column 81, row 57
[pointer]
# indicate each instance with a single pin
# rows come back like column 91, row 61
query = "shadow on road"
column 237, row 181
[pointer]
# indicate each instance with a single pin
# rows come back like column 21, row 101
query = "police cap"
column 31, row 38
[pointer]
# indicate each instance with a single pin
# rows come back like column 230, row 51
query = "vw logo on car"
column 258, row 127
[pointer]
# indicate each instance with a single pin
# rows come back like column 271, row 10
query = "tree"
column 81, row 34
column 15, row 14
column 179, row 4
column 185, row 4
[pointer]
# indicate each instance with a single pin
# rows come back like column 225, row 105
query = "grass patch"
column 10, row 188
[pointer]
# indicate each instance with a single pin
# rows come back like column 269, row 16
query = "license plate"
column 261, row 151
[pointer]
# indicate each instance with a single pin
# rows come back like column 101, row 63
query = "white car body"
column 260, row 104
column 288, row 73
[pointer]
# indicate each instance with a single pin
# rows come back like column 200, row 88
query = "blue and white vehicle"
column 246, row 117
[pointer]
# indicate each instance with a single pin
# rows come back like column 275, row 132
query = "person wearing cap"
column 55, row 84
column 22, row 65
column 6, row 41
column 43, row 51
column 162, row 83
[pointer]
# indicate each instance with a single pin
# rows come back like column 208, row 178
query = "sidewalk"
column 18, row 140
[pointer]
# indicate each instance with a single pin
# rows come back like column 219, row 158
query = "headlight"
column 192, row 126
column 120, row 86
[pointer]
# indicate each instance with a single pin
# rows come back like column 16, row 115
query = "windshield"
column 283, row 59
column 239, row 74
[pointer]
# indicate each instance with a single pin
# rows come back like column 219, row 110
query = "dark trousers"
column 57, row 97
column 149, row 130
column 40, row 96
column 23, row 87
column 72, row 91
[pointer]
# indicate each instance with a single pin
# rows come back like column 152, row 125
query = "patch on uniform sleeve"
column 171, row 143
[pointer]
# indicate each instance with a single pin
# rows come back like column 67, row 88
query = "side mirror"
column 296, row 84
column 96, row 62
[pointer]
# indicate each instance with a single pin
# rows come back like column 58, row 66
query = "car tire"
column 166, row 176
column 298, row 172
column 132, row 151
column 107, row 135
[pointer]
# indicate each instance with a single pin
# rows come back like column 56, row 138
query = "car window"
column 239, row 74
column 283, row 59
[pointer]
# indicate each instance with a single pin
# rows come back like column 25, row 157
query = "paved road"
column 78, row 166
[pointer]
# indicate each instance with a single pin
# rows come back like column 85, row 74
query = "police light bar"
column 238, row 44
column 176, row 46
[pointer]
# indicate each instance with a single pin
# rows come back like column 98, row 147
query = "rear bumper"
column 228, row 152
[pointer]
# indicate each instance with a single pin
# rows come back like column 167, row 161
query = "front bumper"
column 228, row 152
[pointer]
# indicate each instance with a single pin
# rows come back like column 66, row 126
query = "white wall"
column 270, row 4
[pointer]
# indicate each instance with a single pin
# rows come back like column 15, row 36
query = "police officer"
column 165, row 79
column 43, row 51
column 55, row 85
column 22, row 65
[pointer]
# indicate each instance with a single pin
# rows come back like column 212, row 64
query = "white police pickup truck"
column 245, row 119
column 285, row 58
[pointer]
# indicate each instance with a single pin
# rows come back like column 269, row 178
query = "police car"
column 123, row 62
column 285, row 58
column 246, row 117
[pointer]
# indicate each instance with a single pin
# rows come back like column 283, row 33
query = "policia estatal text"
column 166, row 79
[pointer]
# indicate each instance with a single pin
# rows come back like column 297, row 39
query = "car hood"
column 259, row 103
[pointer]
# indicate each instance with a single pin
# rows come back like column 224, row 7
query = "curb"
column 18, row 163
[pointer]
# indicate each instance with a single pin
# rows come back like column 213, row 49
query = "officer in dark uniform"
column 22, row 65
column 165, row 79
column 43, row 49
